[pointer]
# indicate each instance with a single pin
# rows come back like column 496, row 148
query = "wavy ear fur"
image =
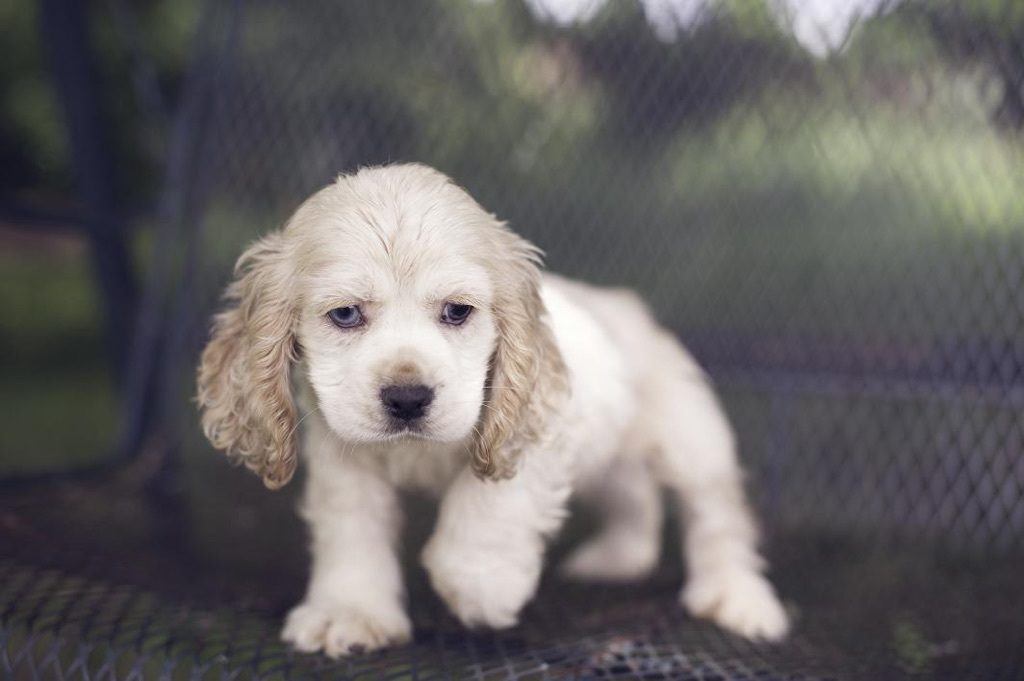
column 244, row 388
column 528, row 378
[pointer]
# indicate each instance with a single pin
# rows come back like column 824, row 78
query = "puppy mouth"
column 430, row 429
column 413, row 429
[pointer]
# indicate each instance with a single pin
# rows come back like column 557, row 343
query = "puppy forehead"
column 370, row 253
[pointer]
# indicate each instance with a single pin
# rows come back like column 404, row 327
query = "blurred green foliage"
column 988, row 33
column 497, row 51
column 129, row 39
column 31, row 137
column 57, row 398
column 58, row 401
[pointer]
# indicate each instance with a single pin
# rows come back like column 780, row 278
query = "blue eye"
column 346, row 317
column 455, row 314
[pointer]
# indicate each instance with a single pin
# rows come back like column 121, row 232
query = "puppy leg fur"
column 354, row 601
column 486, row 554
column 629, row 541
column 695, row 459
column 695, row 456
column 679, row 434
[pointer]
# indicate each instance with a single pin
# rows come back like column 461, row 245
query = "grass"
column 57, row 400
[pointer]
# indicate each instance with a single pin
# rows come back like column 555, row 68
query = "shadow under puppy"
column 427, row 351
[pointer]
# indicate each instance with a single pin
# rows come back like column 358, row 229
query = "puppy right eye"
column 346, row 317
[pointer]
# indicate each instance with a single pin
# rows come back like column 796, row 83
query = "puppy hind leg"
column 697, row 461
column 628, row 543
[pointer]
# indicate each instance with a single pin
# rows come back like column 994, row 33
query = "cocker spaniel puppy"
column 414, row 338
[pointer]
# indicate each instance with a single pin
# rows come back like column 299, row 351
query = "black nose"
column 406, row 402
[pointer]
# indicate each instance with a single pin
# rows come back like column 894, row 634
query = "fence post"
column 64, row 34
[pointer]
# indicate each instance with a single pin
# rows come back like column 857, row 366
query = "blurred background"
column 819, row 187
column 824, row 198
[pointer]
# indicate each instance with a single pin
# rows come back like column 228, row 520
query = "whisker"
column 299, row 422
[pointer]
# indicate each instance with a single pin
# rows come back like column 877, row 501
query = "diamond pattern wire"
column 838, row 237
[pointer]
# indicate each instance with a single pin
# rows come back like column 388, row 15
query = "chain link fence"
column 837, row 235
column 824, row 199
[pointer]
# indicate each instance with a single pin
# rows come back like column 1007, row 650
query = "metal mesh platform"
column 148, row 607
column 835, row 230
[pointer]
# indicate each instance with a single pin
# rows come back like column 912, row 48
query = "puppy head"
column 416, row 315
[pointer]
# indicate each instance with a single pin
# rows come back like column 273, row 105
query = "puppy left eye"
column 346, row 317
column 455, row 313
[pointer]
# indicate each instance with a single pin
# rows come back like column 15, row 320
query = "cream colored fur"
column 550, row 388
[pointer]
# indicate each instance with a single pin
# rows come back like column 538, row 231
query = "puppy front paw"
column 482, row 587
column 742, row 601
column 340, row 630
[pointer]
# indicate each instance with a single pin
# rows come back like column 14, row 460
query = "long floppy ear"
column 244, row 388
column 528, row 379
